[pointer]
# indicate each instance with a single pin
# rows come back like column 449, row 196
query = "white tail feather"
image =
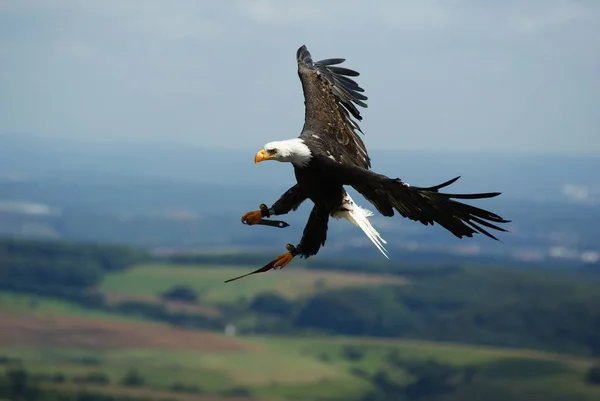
column 359, row 217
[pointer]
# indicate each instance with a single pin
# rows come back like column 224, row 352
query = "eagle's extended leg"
column 313, row 237
column 289, row 201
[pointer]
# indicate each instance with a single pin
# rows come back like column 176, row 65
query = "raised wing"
column 330, row 100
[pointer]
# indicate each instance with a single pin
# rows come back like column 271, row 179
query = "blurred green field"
column 313, row 368
column 17, row 303
column 271, row 367
column 291, row 282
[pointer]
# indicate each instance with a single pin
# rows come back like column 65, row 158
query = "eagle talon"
column 264, row 209
column 282, row 260
column 252, row 217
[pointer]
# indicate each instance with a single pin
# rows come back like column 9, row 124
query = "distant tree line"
column 486, row 306
column 18, row 384
column 58, row 268
column 161, row 313
column 401, row 377
column 181, row 293
column 349, row 265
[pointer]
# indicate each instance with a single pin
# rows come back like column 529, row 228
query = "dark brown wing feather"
column 426, row 205
column 330, row 100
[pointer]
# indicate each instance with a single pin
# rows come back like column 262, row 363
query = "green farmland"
column 106, row 329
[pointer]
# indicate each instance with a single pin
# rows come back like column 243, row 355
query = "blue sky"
column 512, row 76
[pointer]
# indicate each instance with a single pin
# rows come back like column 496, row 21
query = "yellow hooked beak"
column 262, row 155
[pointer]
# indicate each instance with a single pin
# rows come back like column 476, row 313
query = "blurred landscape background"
column 127, row 133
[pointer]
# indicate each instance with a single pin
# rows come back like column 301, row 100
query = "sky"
column 447, row 75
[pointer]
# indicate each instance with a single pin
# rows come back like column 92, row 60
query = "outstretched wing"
column 426, row 205
column 330, row 100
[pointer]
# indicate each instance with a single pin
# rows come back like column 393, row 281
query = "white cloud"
column 579, row 193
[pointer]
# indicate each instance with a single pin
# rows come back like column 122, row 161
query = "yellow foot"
column 252, row 217
column 282, row 260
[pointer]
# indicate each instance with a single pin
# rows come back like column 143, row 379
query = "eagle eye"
column 272, row 151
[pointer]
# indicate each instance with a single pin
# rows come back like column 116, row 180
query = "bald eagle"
column 329, row 154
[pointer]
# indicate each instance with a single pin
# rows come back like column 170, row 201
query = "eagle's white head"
column 292, row 151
